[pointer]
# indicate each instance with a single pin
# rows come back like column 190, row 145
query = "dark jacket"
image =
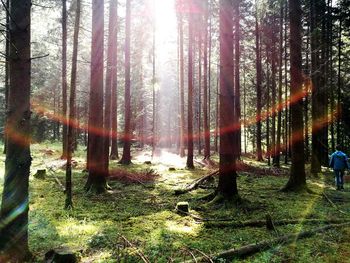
column 339, row 161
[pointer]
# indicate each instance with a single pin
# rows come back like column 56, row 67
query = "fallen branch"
column 333, row 204
column 266, row 244
column 195, row 184
column 56, row 179
column 263, row 223
column 139, row 253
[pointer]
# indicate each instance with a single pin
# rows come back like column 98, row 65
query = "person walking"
column 339, row 162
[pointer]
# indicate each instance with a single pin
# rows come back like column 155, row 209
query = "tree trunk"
column 15, row 205
column 111, row 74
column 317, row 89
column 96, row 181
column 7, row 67
column 227, row 187
column 126, row 158
column 258, row 86
column 280, row 79
column 339, row 98
column 189, row 162
column 297, row 178
column 237, row 79
column 64, row 79
column 205, row 87
column 72, row 116
column 113, row 81
column 154, row 83
column 182, row 93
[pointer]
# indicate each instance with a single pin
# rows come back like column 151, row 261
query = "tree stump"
column 40, row 174
column 60, row 256
column 182, row 207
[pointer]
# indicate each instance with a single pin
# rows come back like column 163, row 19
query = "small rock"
column 172, row 169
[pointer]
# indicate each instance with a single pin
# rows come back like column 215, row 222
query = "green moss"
column 147, row 218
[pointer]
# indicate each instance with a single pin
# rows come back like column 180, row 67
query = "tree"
column 227, row 187
column 72, row 110
column 64, row 79
column 182, row 81
column 205, row 87
column 15, row 199
column 258, row 85
column 126, row 158
column 96, row 181
column 297, row 177
column 189, row 161
column 113, row 76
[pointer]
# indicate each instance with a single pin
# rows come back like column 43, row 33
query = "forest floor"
column 137, row 218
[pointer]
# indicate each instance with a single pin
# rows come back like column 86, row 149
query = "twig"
column 204, row 255
column 38, row 57
column 141, row 255
column 195, row 183
column 333, row 204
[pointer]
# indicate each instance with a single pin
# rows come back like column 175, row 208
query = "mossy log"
column 195, row 184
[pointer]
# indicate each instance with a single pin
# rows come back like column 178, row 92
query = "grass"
column 144, row 214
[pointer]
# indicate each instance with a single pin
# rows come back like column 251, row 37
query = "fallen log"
column 265, row 223
column 195, row 184
column 250, row 249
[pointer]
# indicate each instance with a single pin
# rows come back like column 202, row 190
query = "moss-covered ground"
column 144, row 214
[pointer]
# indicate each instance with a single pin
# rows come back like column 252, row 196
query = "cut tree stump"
column 40, row 174
column 60, row 256
column 182, row 207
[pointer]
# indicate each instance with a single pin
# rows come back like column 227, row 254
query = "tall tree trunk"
column 227, row 186
column 64, row 79
column 126, row 158
column 182, row 89
column 280, row 80
column 72, row 116
column 199, row 136
column 15, row 198
column 111, row 74
column 113, row 31
column 297, row 178
column 317, row 104
column 189, row 162
column 268, row 110
column 286, row 99
column 96, row 181
column 237, row 79
column 205, row 88
column 339, row 99
column 154, row 137
column 258, row 86
column 217, row 111
column 7, row 71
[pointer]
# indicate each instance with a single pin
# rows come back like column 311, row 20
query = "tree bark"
column 72, row 115
column 113, row 82
column 96, row 181
column 15, row 198
column 189, row 162
column 64, row 79
column 258, row 86
column 126, row 158
column 297, row 178
column 227, row 187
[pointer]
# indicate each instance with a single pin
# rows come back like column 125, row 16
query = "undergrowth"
column 137, row 217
